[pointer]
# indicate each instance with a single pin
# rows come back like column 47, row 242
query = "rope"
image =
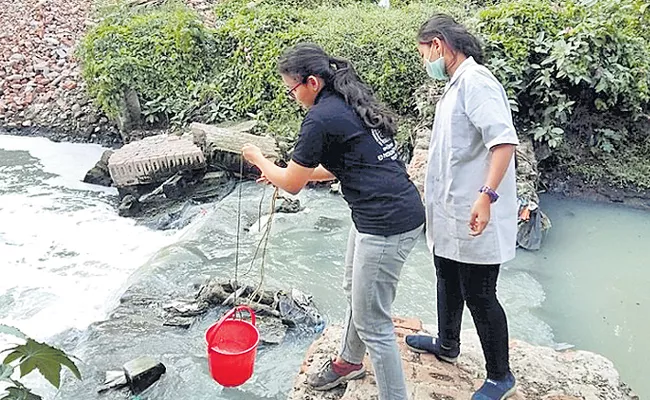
column 265, row 241
column 239, row 196
column 261, row 245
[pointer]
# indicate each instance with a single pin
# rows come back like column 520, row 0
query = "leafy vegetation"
column 163, row 54
column 576, row 69
column 183, row 70
column 555, row 58
column 28, row 357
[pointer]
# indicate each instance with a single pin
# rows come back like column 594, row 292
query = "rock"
column 51, row 41
column 76, row 110
column 17, row 57
column 69, row 85
column 52, row 75
column 27, row 123
column 42, row 67
column 114, row 380
column 214, row 185
column 272, row 330
column 187, row 308
column 327, row 224
column 178, row 321
column 92, row 118
column 289, row 206
column 542, row 373
column 99, row 175
column 143, row 372
column 130, row 206
column 56, row 80
column 14, row 78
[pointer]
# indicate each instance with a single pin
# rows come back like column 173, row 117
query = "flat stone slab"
column 542, row 373
column 154, row 159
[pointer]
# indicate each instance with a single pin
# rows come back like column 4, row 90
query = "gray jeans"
column 372, row 269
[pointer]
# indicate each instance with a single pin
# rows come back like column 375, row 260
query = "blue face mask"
column 436, row 69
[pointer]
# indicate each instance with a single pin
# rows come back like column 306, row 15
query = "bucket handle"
column 231, row 314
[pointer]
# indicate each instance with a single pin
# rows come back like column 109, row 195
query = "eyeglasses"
column 290, row 91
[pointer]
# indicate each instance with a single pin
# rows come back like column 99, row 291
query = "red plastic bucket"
column 232, row 346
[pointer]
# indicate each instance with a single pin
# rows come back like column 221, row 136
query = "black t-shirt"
column 373, row 180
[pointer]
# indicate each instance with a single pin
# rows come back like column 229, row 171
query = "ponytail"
column 339, row 75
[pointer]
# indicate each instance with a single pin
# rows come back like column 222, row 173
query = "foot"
column 332, row 374
column 426, row 344
column 497, row 390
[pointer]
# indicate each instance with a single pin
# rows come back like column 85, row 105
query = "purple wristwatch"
column 490, row 192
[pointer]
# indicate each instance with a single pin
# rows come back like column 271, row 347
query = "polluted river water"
column 67, row 258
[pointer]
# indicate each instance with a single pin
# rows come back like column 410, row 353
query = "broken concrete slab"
column 222, row 146
column 143, row 372
column 154, row 159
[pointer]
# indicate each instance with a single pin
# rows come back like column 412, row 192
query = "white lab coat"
column 472, row 116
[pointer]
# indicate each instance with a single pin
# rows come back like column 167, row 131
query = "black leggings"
column 476, row 286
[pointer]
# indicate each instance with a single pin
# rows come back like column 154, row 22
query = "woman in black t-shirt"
column 348, row 135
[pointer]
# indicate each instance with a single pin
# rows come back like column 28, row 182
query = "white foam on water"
column 65, row 254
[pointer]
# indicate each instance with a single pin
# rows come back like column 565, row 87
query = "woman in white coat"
column 470, row 199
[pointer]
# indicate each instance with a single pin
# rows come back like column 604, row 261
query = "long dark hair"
column 305, row 59
column 455, row 35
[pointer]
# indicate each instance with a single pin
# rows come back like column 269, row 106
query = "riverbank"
column 42, row 93
column 542, row 373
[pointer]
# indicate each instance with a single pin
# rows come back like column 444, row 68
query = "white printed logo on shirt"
column 387, row 144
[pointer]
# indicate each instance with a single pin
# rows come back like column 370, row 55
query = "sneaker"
column 331, row 375
column 497, row 390
column 426, row 344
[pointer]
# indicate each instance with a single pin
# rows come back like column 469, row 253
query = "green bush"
column 163, row 54
column 182, row 70
column 554, row 58
column 379, row 42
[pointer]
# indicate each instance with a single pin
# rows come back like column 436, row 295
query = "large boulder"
column 542, row 373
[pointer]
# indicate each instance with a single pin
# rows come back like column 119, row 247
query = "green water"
column 595, row 270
